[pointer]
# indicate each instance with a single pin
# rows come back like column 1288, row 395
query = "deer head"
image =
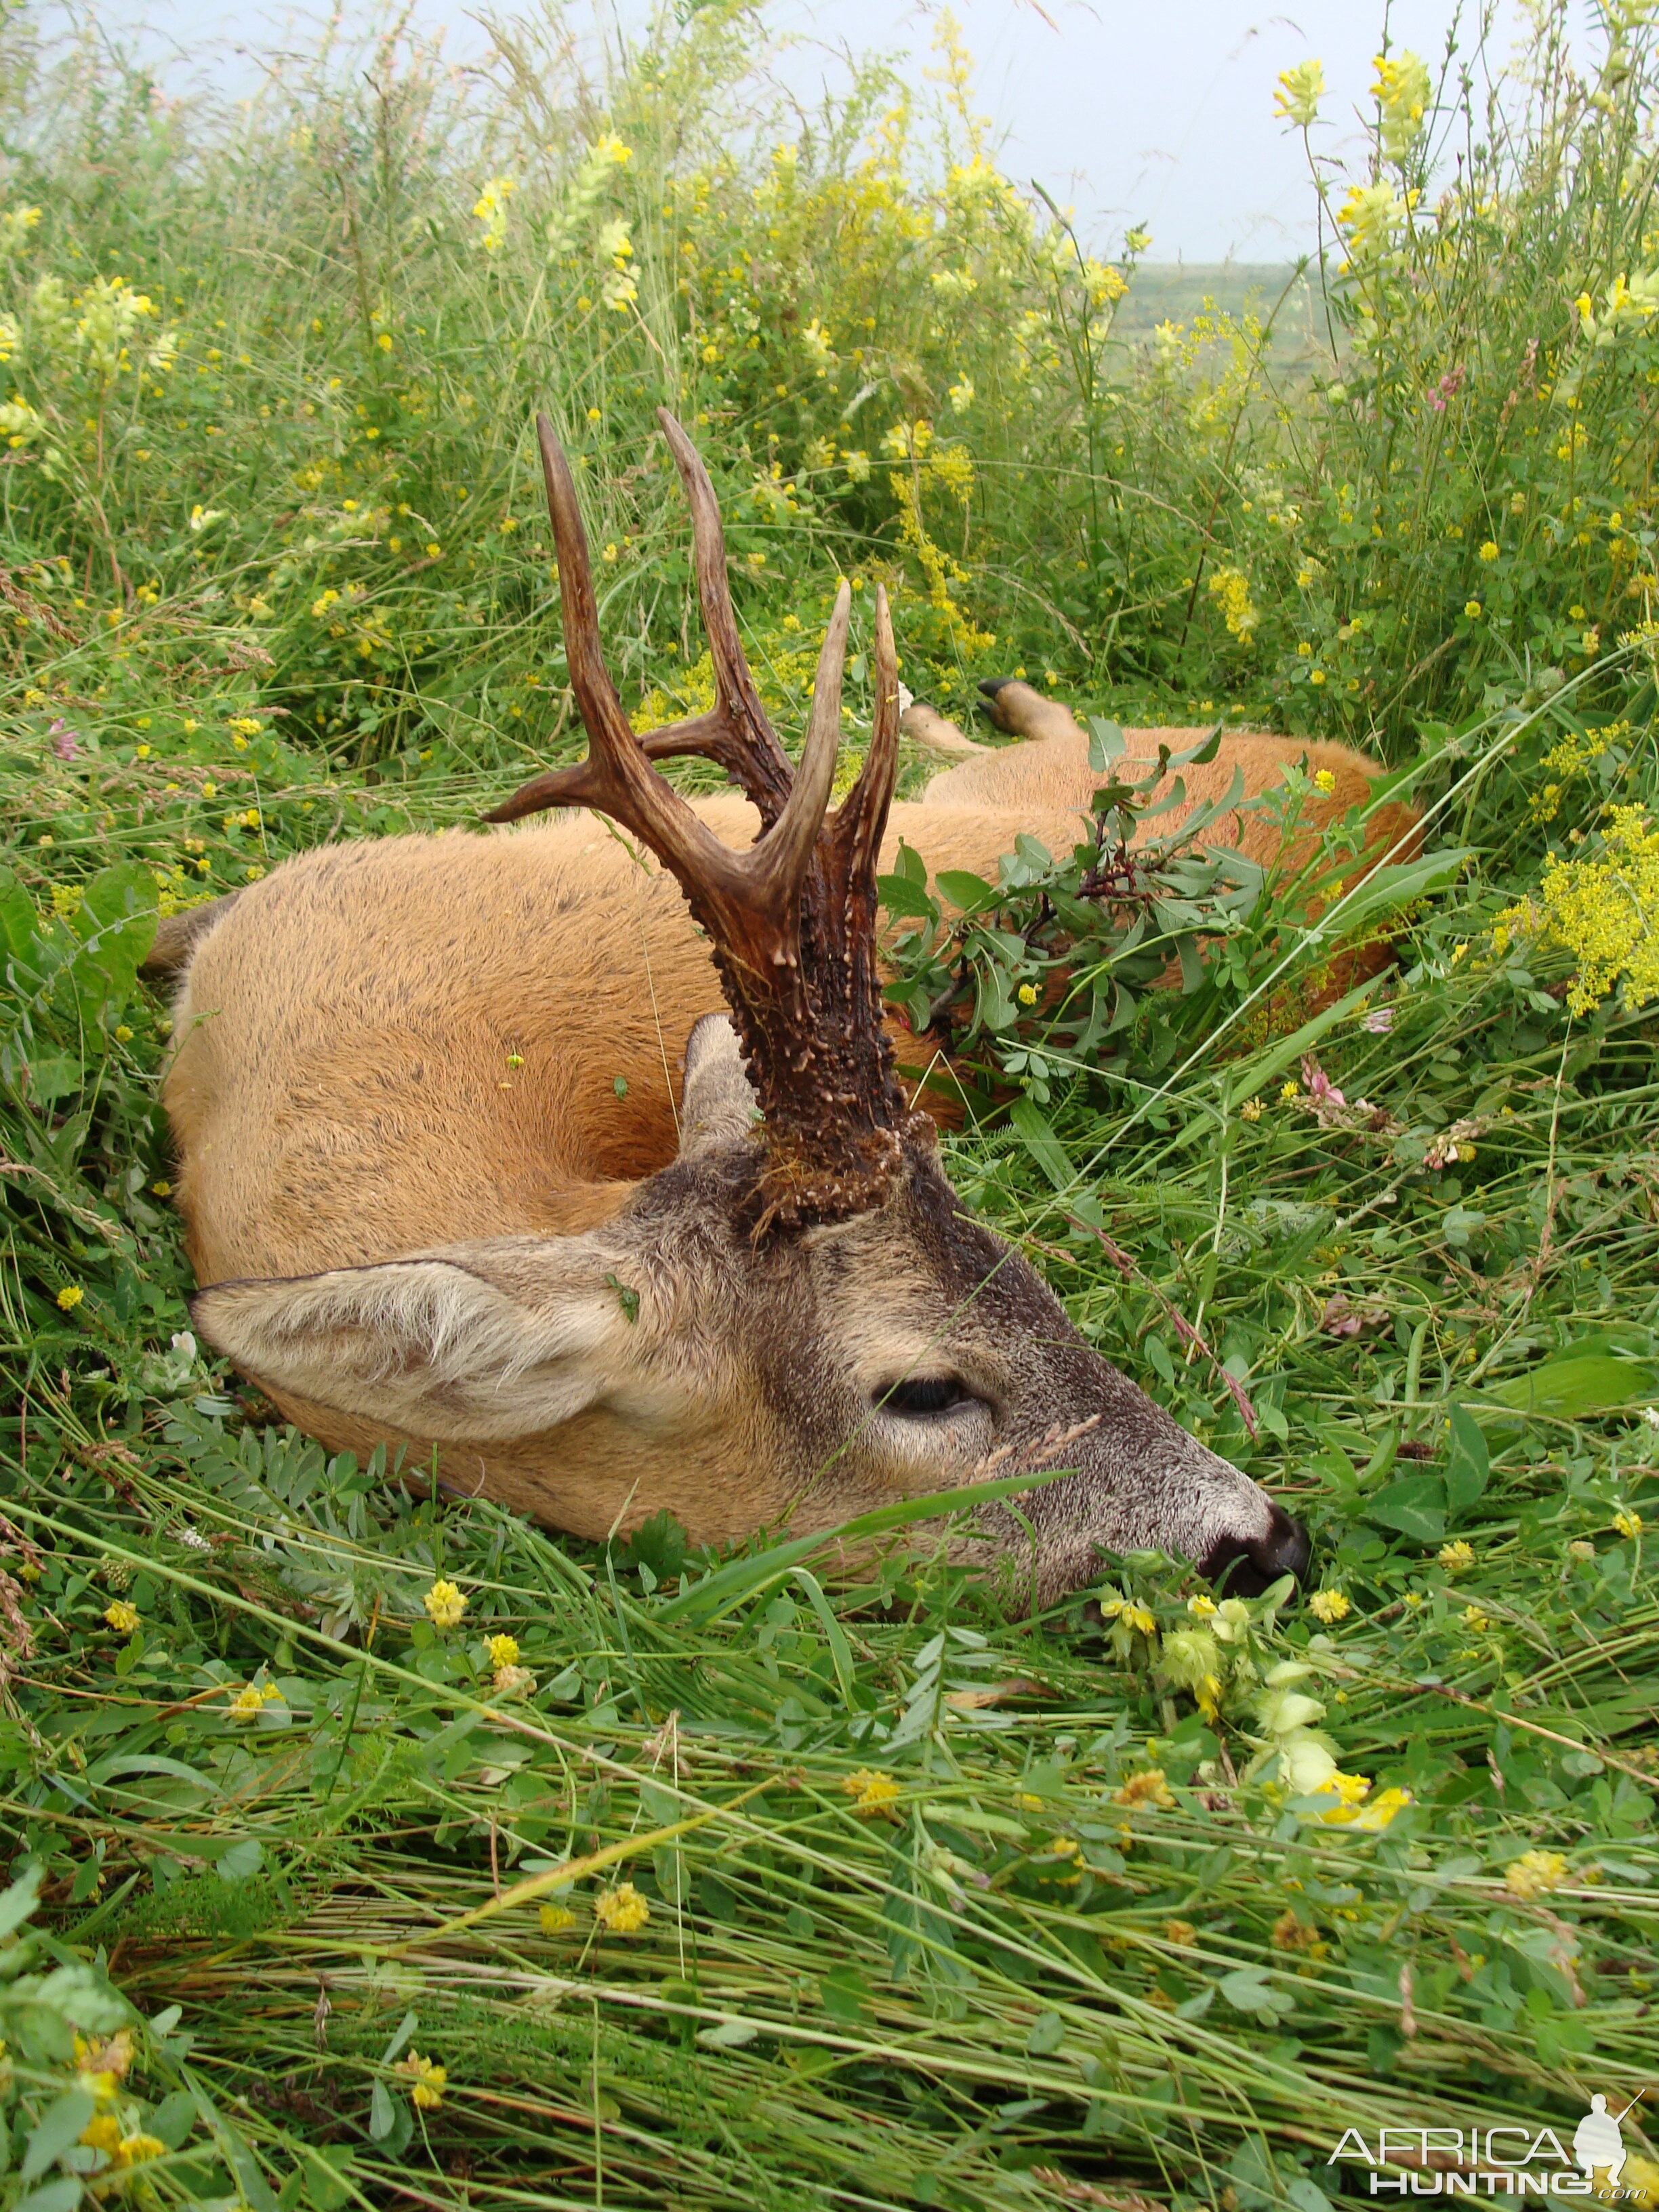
column 796, row 1316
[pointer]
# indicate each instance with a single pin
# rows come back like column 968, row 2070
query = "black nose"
column 1245, row 1569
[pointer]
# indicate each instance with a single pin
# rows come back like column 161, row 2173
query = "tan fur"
column 465, row 1046
column 358, row 1020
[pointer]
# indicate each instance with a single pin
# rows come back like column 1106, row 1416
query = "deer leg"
column 1024, row 712
column 925, row 726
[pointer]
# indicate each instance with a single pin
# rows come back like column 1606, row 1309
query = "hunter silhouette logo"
column 1598, row 2140
column 1502, row 2160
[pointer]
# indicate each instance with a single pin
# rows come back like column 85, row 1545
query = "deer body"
column 444, row 1188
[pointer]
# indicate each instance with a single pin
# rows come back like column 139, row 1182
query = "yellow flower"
column 1456, row 1557
column 504, row 1650
column 1534, row 1872
column 102, row 2133
column 1325, row 781
column 510, row 1682
column 122, row 1617
column 1472, row 609
column 1328, row 1606
column 249, row 1703
column 870, row 1789
column 1475, row 1619
column 427, row 2080
column 384, row 340
column 1316, row 676
column 1231, row 589
column 1288, row 1091
column 556, row 1919
column 1489, row 550
column 71, row 1297
column 446, row 1604
column 1627, row 1523
column 1202, row 1605
column 434, row 550
column 1027, row 995
column 1181, row 1933
column 209, row 790
column 621, row 1910
column 134, row 2150
column 1146, row 1788
column 1297, row 100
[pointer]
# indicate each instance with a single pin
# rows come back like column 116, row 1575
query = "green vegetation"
column 380, row 1848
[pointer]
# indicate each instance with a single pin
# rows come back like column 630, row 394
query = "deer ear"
column 719, row 1101
column 481, row 1342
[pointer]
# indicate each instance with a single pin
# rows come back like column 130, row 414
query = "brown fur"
column 465, row 1047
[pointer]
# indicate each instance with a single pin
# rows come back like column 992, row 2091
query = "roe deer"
column 439, row 1191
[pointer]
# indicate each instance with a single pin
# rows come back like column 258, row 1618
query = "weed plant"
column 374, row 1847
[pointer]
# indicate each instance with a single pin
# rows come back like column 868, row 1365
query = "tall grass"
column 940, row 1906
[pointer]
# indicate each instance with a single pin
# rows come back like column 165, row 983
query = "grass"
column 942, row 1905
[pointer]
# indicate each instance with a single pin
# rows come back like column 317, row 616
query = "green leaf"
column 174, row 2118
column 241, row 1860
column 846, row 1995
column 1386, row 890
column 627, row 1297
column 382, row 2113
column 1415, row 1506
column 1048, row 2032
column 56, row 2131
column 1041, row 1142
column 21, row 1900
column 1106, row 743
column 1572, row 1386
column 971, row 893
column 902, row 895
column 728, row 2034
column 1468, row 1466
column 56, row 2196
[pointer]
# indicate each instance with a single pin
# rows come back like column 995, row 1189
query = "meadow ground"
column 763, row 1890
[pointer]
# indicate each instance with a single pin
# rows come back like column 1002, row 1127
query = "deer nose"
column 1244, row 1567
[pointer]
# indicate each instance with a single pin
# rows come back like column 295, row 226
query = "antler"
column 791, row 922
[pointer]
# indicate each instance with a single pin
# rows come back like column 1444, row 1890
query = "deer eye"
column 923, row 1395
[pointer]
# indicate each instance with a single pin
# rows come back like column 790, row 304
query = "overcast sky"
column 1151, row 110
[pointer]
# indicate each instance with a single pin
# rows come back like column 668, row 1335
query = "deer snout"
column 1245, row 1566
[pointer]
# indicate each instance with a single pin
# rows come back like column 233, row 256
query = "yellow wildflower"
column 1489, row 550
column 504, row 1650
column 102, row 2133
column 1203, row 1606
column 621, row 1910
column 870, row 1789
column 446, row 1604
column 1401, row 89
column 71, row 1297
column 427, row 2080
column 134, row 2150
column 1230, row 590
column 1329, row 1606
column 1628, row 1523
column 1250, row 1111
column 122, row 1617
column 1027, row 995
column 1181, row 1933
column 1475, row 1619
column 1472, row 609
column 556, row 1919
column 1325, row 781
column 1534, row 1872
column 1146, row 1788
column 249, row 1703
column 510, row 1682
column 1456, row 1557
column 1297, row 100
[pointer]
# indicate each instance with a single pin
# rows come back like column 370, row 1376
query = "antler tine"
column 784, row 853
column 753, row 753
column 616, row 776
column 856, row 827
